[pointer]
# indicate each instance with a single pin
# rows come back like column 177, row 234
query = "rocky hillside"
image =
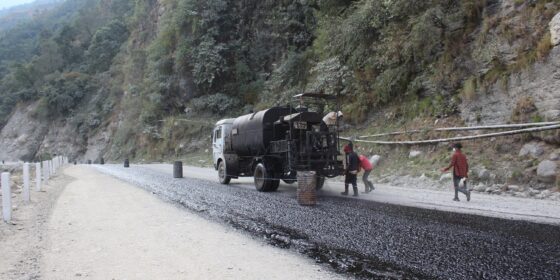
column 146, row 79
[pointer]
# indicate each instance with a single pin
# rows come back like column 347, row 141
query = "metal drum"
column 307, row 192
column 178, row 169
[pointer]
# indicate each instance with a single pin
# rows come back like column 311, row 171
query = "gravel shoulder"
column 506, row 207
column 22, row 242
column 103, row 228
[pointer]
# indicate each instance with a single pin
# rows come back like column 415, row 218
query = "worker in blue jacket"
column 352, row 167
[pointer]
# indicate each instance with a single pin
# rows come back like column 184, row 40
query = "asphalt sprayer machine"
column 276, row 143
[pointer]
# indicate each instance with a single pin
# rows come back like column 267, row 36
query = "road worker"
column 352, row 166
column 460, row 167
column 366, row 165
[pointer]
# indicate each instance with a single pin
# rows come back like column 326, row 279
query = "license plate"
column 300, row 125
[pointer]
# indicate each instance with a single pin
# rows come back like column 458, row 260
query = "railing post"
column 6, row 197
column 26, row 182
column 38, row 176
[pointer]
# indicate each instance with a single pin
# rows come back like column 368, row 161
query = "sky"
column 11, row 3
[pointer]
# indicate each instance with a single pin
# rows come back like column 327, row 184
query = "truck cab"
column 219, row 133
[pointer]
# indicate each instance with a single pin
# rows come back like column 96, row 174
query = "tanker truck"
column 276, row 143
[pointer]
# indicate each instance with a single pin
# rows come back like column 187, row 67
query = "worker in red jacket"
column 366, row 165
column 460, row 171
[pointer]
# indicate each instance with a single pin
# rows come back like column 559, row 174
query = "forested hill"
column 115, row 78
column 11, row 17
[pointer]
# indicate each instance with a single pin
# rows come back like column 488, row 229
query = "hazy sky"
column 10, row 3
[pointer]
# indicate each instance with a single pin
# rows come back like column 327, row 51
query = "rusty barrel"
column 307, row 192
column 178, row 169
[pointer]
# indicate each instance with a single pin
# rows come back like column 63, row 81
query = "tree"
column 105, row 45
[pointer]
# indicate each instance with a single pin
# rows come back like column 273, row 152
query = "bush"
column 64, row 92
column 217, row 103
column 105, row 44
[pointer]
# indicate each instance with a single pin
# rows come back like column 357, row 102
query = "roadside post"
column 178, row 169
column 126, row 163
column 6, row 198
column 46, row 171
column 38, row 176
column 26, row 182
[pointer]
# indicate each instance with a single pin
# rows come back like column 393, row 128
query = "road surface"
column 363, row 237
column 102, row 228
column 515, row 208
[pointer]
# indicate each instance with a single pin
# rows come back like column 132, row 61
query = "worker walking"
column 460, row 167
column 352, row 165
column 366, row 165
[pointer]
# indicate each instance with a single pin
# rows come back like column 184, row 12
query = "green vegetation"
column 142, row 63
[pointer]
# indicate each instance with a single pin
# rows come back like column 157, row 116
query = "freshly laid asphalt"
column 368, row 239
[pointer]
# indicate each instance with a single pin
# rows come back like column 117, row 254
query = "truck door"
column 218, row 144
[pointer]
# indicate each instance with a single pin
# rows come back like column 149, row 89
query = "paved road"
column 527, row 209
column 367, row 238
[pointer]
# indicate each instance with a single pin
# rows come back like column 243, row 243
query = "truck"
column 277, row 143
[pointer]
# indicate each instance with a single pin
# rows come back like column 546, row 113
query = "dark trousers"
column 351, row 179
column 462, row 189
column 367, row 182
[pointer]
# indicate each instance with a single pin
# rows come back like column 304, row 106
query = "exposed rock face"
column 555, row 155
column 546, row 171
column 25, row 137
column 414, row 154
column 22, row 136
column 533, row 149
column 541, row 83
column 555, row 30
column 483, row 174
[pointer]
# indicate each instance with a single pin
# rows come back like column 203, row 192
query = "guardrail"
column 48, row 168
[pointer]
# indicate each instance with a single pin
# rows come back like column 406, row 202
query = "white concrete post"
column 6, row 198
column 26, row 182
column 46, row 170
column 38, row 176
column 51, row 164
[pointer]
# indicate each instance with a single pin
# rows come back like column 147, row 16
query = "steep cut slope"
column 146, row 79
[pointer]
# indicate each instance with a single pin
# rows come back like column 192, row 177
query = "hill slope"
column 118, row 78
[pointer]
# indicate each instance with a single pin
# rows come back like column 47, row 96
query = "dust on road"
column 103, row 228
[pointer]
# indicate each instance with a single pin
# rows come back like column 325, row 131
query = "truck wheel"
column 275, row 185
column 263, row 181
column 320, row 182
column 222, row 174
